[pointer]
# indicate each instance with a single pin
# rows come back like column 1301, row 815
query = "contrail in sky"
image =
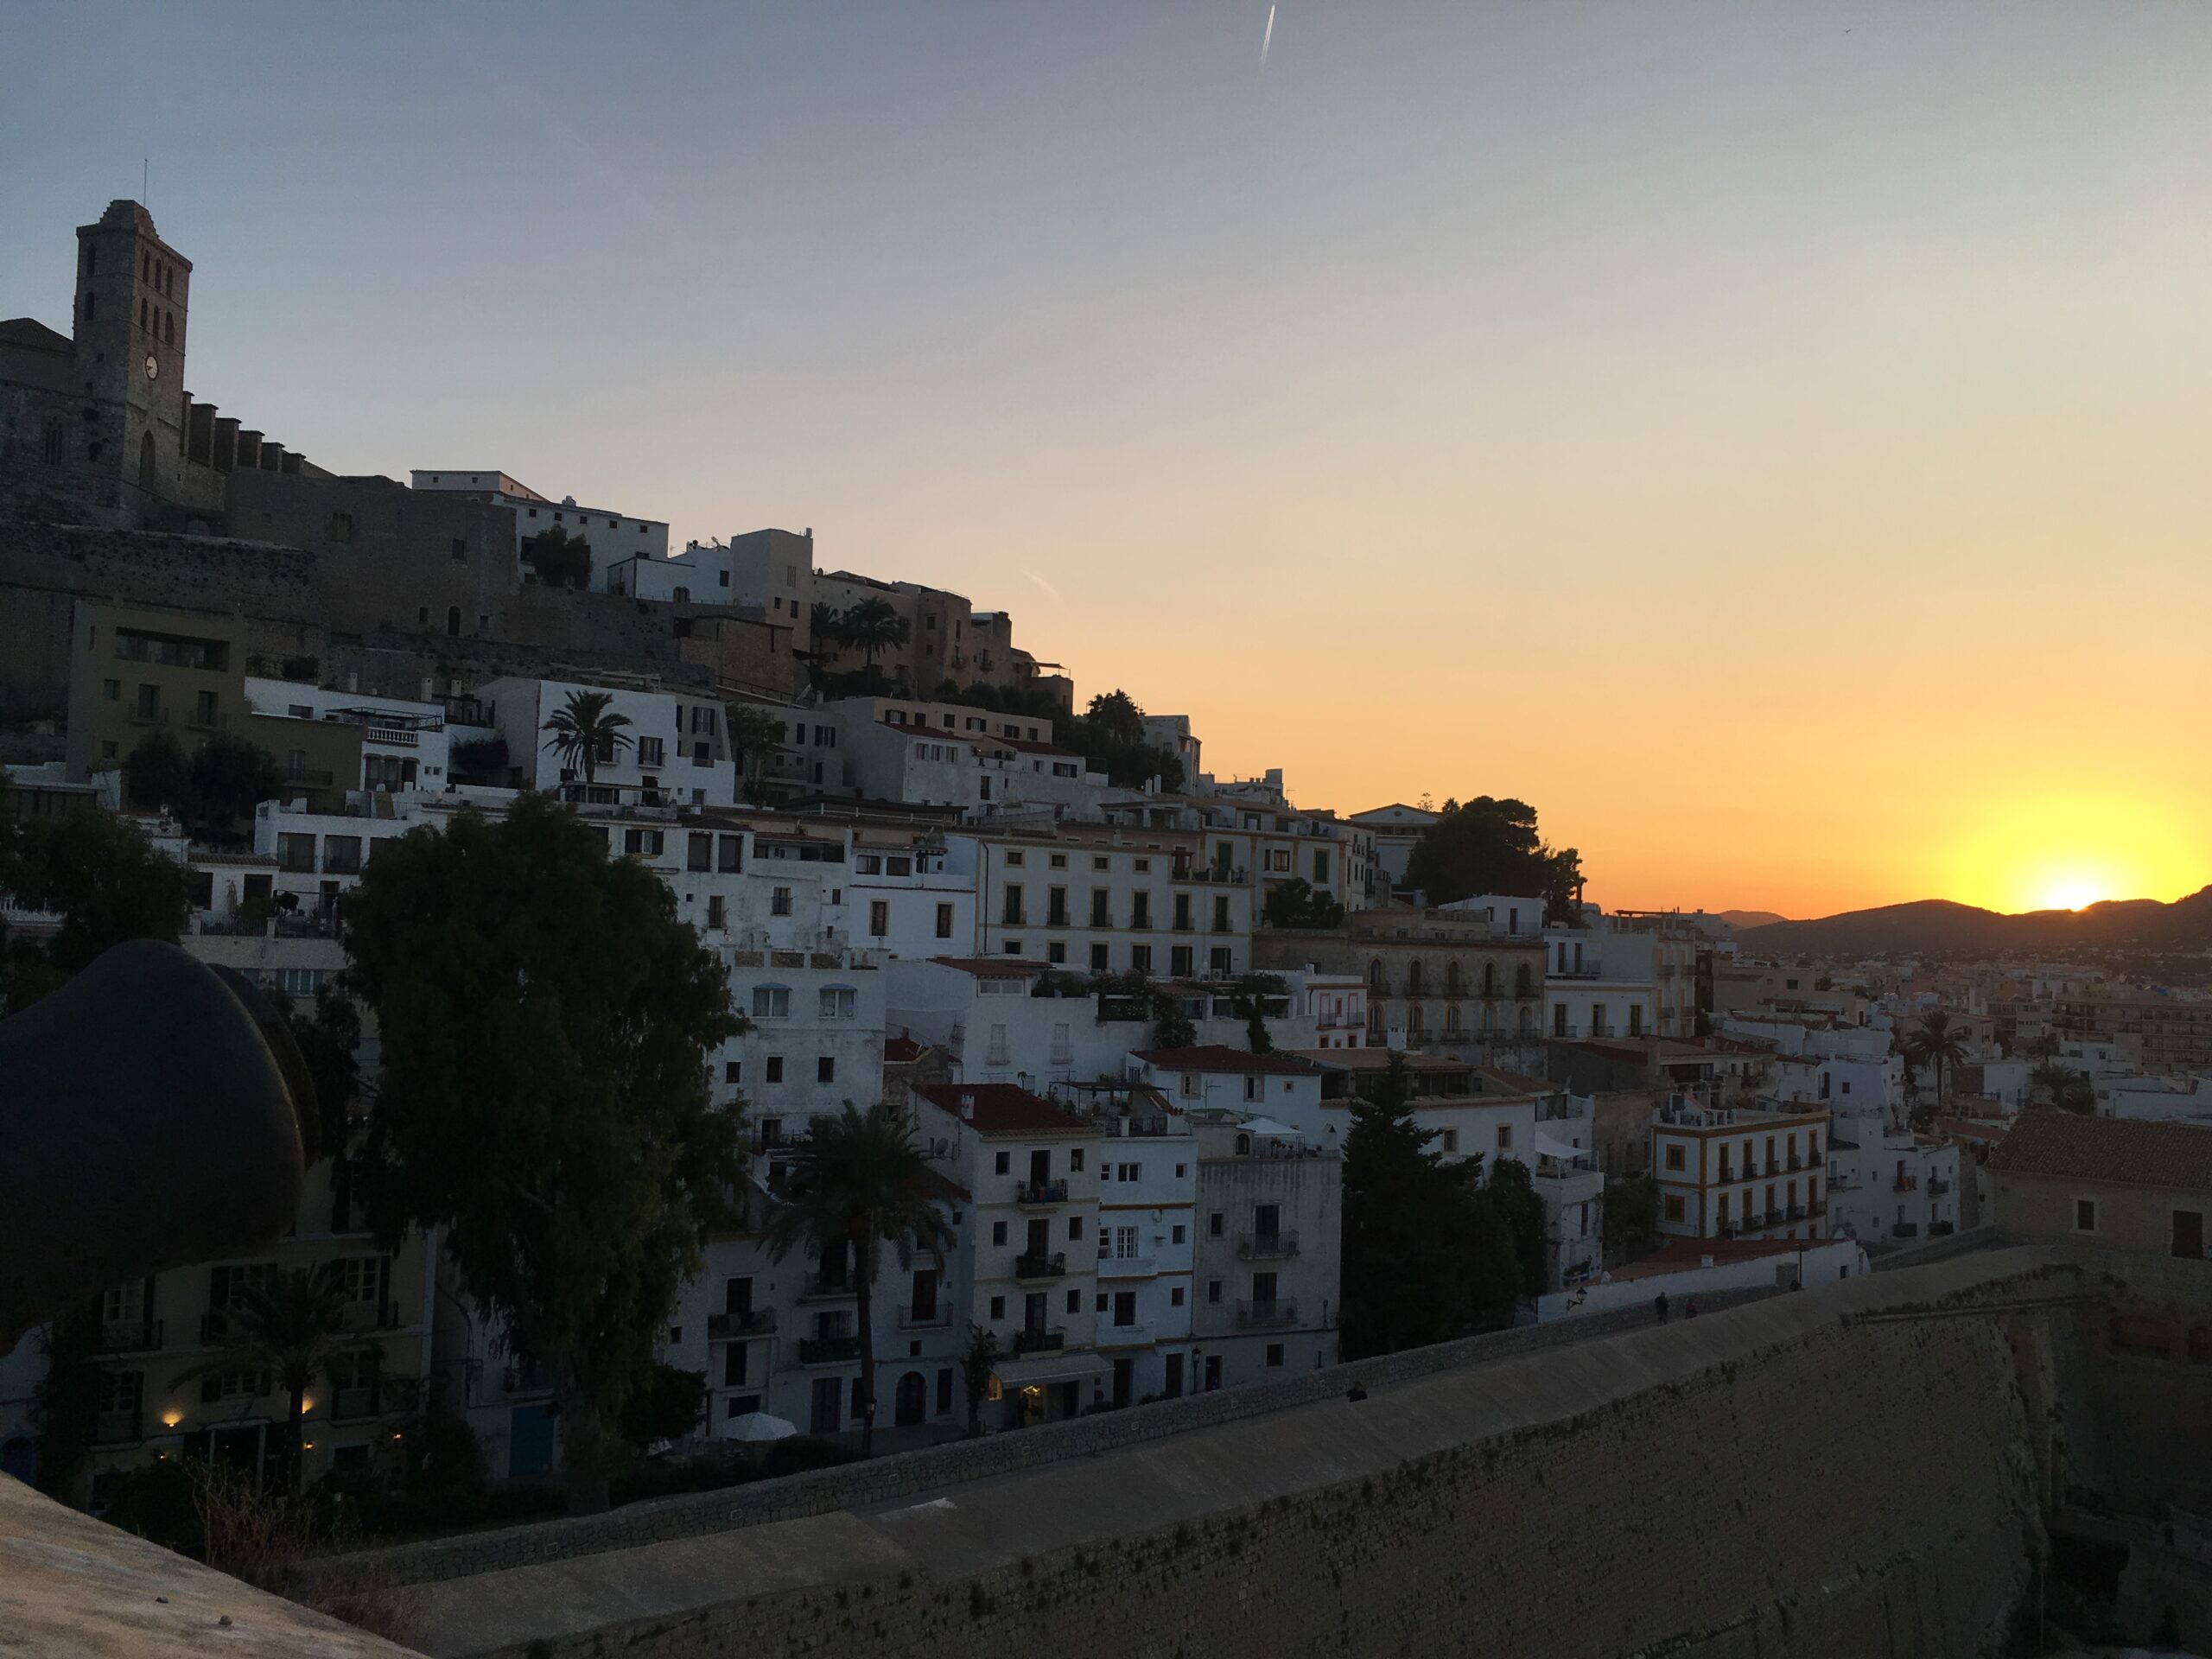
column 1041, row 583
column 1266, row 39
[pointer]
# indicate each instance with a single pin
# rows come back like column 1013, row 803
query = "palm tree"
column 1938, row 1045
column 975, row 1367
column 823, row 622
column 873, row 625
column 753, row 732
column 291, row 1325
column 860, row 1183
column 586, row 729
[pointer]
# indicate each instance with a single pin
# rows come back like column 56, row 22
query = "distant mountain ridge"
column 1938, row 927
column 1740, row 919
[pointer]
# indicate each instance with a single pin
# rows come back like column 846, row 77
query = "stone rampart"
column 1849, row 1470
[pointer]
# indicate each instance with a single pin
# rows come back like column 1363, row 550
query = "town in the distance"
column 764, row 1015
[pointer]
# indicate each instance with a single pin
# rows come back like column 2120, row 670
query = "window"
column 699, row 851
column 1175, row 1296
column 652, row 751
column 1673, row 1155
column 1213, row 1293
column 1098, row 959
column 998, row 1231
column 775, row 1068
column 1140, row 958
column 452, row 620
column 779, row 902
column 1075, row 1227
column 1216, row 1223
column 1274, row 1354
column 1674, row 1207
column 825, row 1068
column 51, row 442
column 944, row 921
column 998, row 1307
column 733, row 1070
column 1505, row 1137
column 1003, row 1165
column 2085, row 1215
column 1075, row 1301
column 1451, row 1140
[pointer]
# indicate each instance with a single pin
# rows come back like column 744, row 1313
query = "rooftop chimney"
column 968, row 1107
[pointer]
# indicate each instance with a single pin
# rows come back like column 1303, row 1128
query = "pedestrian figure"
column 1661, row 1305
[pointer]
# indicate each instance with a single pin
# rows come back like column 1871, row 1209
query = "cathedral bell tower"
column 133, row 291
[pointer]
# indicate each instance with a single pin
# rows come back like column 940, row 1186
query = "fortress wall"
column 1845, row 1472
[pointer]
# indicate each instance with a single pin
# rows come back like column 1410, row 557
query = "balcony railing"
column 817, row 1288
column 116, row 1428
column 930, row 1319
column 1905, row 1229
column 725, row 1328
column 1774, row 1217
column 1795, row 1162
column 1904, row 1184
column 1796, row 1213
column 1137, row 1334
column 357, row 1401
column 1257, row 1247
column 1125, row 1267
column 1936, row 1188
column 1936, row 1229
column 1257, row 1314
column 1040, row 1340
column 828, row 1350
column 1029, row 1266
column 128, row 1337
column 1041, row 1192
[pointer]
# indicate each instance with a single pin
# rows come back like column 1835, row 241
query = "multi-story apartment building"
column 1632, row 975
column 1436, row 980
column 672, row 751
column 1890, row 1185
column 1031, row 1169
column 2173, row 1029
column 135, row 670
column 616, row 537
column 1397, row 830
column 1267, row 1268
column 1741, row 1172
column 405, row 745
column 1148, row 1180
column 1473, row 1112
column 1104, row 899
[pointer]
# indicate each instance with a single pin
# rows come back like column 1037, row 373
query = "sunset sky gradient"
column 1774, row 441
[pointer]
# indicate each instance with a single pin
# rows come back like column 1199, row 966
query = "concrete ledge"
column 71, row 1585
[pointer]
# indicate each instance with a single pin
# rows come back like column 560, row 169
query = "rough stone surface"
column 1850, row 1471
column 73, row 1588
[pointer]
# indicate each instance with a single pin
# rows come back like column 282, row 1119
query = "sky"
column 1773, row 440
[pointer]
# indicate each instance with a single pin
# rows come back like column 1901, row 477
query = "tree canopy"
column 586, row 731
column 213, row 788
column 558, row 559
column 546, row 1019
column 105, row 879
column 1428, row 1254
column 1298, row 903
column 1492, row 846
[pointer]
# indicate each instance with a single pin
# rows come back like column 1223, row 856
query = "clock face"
column 153, row 366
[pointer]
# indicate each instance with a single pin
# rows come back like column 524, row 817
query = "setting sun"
column 2071, row 895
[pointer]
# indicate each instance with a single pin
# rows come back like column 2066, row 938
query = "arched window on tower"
column 168, row 328
column 144, row 311
column 452, row 620
column 1378, row 983
column 92, row 259
column 92, row 305
column 51, row 440
column 146, row 462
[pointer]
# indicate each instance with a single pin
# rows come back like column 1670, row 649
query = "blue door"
column 530, row 1442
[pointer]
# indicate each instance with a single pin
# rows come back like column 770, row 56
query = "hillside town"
column 1176, row 1061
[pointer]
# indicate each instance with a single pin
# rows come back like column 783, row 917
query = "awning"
column 1548, row 1148
column 1050, row 1368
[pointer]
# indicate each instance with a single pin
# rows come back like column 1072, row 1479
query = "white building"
column 1031, row 1170
column 1268, row 1266
column 1728, row 1173
column 1891, row 1186
column 1108, row 901
column 1684, row 1269
column 404, row 744
column 614, row 536
column 672, row 751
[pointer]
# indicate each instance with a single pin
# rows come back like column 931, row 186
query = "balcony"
column 733, row 1327
column 1936, row 1189
column 1796, row 1163
column 128, row 1337
column 348, row 1404
column 1137, row 1334
column 1904, row 1184
column 1035, row 1193
column 1125, row 1267
column 1905, row 1229
column 828, row 1350
column 1273, row 1310
column 116, row 1428
column 214, row 1330
column 819, row 1287
column 929, row 1318
column 1774, row 1217
column 1937, row 1229
column 1028, row 1266
column 1041, row 1340
column 1796, row 1213
column 1260, row 1246
column 1726, row 1176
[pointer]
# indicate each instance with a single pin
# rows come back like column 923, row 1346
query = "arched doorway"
column 912, row 1403
column 146, row 462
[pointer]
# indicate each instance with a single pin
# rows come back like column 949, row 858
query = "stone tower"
column 133, row 291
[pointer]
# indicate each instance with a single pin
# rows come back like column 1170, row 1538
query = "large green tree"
column 875, row 627
column 558, row 559
column 1492, row 846
column 546, row 1019
column 1937, row 1045
column 861, row 1182
column 1424, row 1259
column 105, row 879
column 587, row 730
column 157, row 773
column 1110, row 735
column 1298, row 903
column 229, row 778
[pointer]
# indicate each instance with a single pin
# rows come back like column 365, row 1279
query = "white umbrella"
column 757, row 1427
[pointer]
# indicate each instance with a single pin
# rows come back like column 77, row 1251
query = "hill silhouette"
column 1937, row 927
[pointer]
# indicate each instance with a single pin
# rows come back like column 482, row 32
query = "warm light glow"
column 2063, row 851
column 171, row 1419
column 307, row 1404
column 2073, row 894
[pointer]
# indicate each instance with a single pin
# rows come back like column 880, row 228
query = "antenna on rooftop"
column 145, row 179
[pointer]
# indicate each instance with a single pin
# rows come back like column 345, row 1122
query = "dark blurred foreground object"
column 153, row 1112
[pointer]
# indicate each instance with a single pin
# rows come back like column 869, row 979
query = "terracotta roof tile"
column 1218, row 1057
column 2046, row 1141
column 998, row 1107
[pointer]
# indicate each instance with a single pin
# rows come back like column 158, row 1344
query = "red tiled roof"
column 998, row 1107
column 1028, row 747
column 993, row 967
column 941, row 734
column 902, row 1050
column 1218, row 1057
column 1519, row 1083
column 938, row 1184
column 2126, row 1151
